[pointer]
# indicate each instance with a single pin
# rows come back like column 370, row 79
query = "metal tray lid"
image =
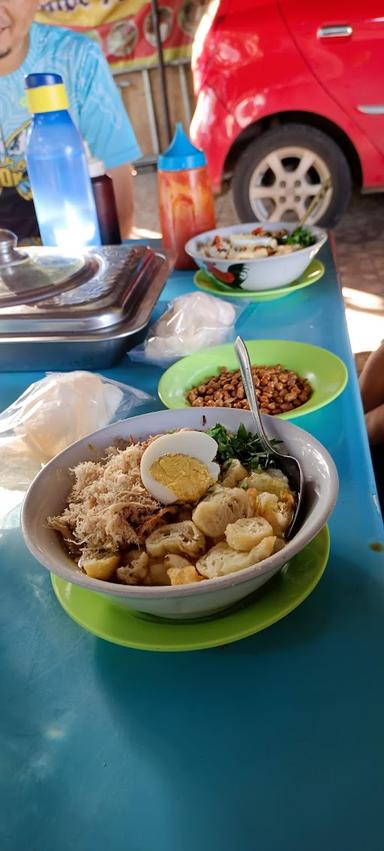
column 31, row 274
column 45, row 291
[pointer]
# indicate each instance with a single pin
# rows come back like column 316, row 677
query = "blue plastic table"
column 274, row 743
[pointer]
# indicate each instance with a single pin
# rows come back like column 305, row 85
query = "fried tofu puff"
column 180, row 570
column 234, row 474
column 222, row 559
column 100, row 568
column 173, row 570
column 277, row 510
column 135, row 571
column 263, row 482
column 179, row 538
column 247, row 532
column 221, row 507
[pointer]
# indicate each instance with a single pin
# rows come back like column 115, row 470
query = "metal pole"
column 150, row 110
column 184, row 94
column 163, row 81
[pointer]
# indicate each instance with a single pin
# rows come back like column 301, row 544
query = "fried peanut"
column 278, row 390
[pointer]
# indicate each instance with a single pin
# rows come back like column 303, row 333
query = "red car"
column 289, row 94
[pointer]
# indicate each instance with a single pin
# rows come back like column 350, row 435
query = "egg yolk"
column 187, row 477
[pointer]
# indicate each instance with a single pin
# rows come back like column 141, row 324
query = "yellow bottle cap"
column 47, row 98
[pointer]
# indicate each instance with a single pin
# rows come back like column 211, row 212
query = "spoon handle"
column 246, row 374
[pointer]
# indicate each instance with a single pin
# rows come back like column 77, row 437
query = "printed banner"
column 124, row 28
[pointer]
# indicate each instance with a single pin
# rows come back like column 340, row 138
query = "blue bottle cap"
column 181, row 154
column 34, row 81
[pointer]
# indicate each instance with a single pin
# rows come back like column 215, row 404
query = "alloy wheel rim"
column 284, row 183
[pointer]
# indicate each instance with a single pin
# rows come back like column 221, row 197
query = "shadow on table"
column 205, row 721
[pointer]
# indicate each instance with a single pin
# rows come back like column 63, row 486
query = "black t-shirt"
column 17, row 211
column 18, row 215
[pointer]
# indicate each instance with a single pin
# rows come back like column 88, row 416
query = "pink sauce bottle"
column 185, row 194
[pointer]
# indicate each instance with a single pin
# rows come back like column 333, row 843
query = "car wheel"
column 280, row 171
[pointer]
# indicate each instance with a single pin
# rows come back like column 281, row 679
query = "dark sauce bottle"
column 105, row 200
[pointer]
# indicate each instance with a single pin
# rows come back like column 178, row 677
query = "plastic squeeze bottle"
column 186, row 200
column 104, row 195
column 57, row 168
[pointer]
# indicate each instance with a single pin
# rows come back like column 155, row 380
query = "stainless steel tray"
column 111, row 296
column 78, row 347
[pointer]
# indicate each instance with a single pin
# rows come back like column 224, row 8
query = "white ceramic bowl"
column 263, row 273
column 48, row 492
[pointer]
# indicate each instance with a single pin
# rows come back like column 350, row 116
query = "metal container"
column 75, row 312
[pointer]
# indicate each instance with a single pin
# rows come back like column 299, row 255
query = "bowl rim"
column 268, row 565
column 319, row 232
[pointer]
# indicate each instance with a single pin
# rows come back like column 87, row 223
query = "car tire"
column 252, row 174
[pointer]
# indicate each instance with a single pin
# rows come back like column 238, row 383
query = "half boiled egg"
column 179, row 467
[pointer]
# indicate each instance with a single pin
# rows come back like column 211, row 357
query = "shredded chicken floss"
column 108, row 506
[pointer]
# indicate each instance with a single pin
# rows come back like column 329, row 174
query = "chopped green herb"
column 301, row 236
column 243, row 445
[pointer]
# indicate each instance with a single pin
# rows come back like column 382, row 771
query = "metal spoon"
column 286, row 463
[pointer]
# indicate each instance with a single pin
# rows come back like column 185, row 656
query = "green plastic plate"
column 210, row 284
column 326, row 373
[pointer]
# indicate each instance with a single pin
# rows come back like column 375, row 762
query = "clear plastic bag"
column 190, row 323
column 53, row 413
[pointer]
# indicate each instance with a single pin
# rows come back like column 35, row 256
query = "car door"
column 343, row 45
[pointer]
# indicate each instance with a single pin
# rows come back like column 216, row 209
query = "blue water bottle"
column 57, row 168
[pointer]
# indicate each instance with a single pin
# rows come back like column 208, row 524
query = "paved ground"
column 359, row 242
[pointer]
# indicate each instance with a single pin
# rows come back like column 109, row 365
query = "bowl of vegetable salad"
column 253, row 257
